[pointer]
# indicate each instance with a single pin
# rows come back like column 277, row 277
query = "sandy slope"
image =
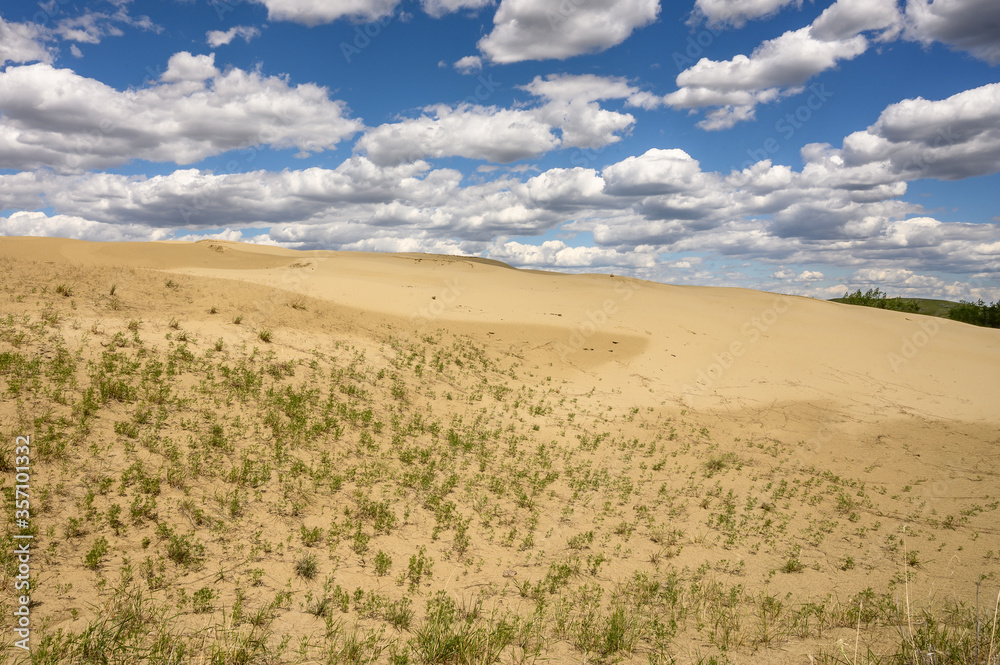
column 710, row 348
column 893, row 399
column 815, row 370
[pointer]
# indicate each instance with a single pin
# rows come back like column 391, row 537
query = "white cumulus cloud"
column 952, row 138
column 469, row 64
column 56, row 118
column 318, row 12
column 566, row 117
column 547, row 30
column 967, row 25
column 23, row 42
column 438, row 8
column 737, row 12
column 779, row 67
column 216, row 38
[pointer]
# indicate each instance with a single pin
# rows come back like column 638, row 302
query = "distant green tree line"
column 977, row 313
column 876, row 298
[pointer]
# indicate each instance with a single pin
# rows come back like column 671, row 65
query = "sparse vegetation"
column 431, row 499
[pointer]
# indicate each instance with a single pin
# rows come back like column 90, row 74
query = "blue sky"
column 793, row 146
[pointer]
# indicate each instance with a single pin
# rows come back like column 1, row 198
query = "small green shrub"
column 185, row 550
column 793, row 565
column 202, row 600
column 383, row 562
column 311, row 537
column 96, row 553
column 307, row 566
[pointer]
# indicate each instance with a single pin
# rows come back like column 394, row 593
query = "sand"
column 888, row 397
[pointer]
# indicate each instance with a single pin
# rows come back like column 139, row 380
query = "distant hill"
column 928, row 306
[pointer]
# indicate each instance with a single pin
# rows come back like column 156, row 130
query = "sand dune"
column 886, row 396
column 713, row 348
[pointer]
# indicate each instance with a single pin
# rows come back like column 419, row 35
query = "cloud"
column 55, row 118
column 846, row 18
column 91, row 27
column 729, row 115
column 318, row 12
column 24, row 190
column 469, row 64
column 773, row 68
column 779, row 67
column 216, row 38
column 23, row 42
column 546, row 30
column 953, row 138
column 567, row 117
column 967, row 25
column 474, row 132
column 67, row 226
column 438, row 8
column 585, row 88
column 653, row 173
column 904, row 282
column 961, row 247
column 557, row 254
column 193, row 68
column 567, row 190
column 737, row 12
column 192, row 197
column 658, row 202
